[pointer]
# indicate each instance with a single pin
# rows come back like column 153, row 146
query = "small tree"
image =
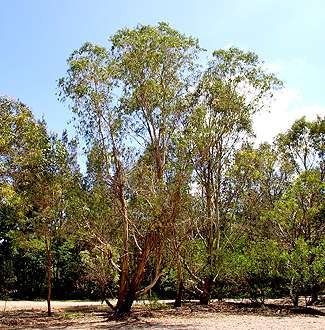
column 34, row 166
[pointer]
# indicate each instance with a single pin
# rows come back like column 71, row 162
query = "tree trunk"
column 314, row 295
column 124, row 274
column 205, row 294
column 294, row 294
column 123, row 288
column 295, row 299
column 180, row 278
column 180, row 293
column 125, row 302
column 49, row 276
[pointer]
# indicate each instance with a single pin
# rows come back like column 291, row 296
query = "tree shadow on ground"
column 81, row 317
column 30, row 319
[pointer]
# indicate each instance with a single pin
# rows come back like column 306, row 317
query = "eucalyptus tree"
column 303, row 148
column 157, row 64
column 230, row 91
column 129, row 101
column 48, row 194
column 34, row 166
column 298, row 216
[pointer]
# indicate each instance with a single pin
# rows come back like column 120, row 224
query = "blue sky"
column 37, row 36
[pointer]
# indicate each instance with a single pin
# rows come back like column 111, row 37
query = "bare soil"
column 276, row 314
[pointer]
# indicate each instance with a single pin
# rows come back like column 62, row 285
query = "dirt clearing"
column 218, row 315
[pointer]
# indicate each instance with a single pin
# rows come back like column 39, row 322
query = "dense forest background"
column 177, row 201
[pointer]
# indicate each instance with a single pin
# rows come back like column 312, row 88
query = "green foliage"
column 258, row 269
column 305, row 268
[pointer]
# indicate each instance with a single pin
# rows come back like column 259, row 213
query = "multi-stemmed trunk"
column 128, row 291
column 153, row 242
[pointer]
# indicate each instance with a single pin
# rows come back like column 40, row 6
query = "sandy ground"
column 42, row 305
column 93, row 315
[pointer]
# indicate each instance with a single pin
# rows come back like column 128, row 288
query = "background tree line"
column 177, row 200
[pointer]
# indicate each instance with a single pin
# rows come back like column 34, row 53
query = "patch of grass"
column 85, row 309
column 74, row 315
column 155, row 305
